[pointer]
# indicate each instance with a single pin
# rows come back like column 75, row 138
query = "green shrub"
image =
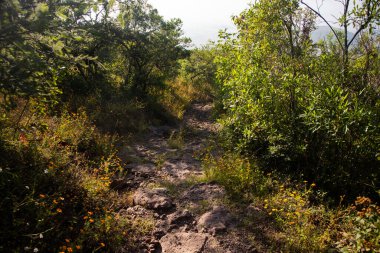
column 237, row 174
column 55, row 175
column 305, row 223
column 288, row 103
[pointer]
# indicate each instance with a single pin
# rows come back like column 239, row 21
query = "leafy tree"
column 199, row 69
column 287, row 100
column 151, row 45
column 362, row 16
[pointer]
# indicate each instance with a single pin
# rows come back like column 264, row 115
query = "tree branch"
column 370, row 16
column 331, row 28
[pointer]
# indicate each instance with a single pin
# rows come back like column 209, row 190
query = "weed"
column 363, row 235
column 160, row 160
column 176, row 139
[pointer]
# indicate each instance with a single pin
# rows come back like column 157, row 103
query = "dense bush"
column 288, row 101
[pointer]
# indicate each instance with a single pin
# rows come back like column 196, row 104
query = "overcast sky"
column 202, row 19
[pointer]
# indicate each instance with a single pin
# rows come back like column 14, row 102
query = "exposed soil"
column 189, row 214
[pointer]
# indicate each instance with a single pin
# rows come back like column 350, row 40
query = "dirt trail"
column 188, row 214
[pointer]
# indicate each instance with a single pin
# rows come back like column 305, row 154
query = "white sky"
column 202, row 19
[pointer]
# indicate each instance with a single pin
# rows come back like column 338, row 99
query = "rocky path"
column 187, row 213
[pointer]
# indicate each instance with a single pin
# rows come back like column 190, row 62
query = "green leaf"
column 58, row 46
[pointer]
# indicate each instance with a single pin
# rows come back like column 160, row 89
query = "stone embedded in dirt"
column 179, row 169
column 183, row 242
column 156, row 199
column 178, row 220
column 180, row 217
column 213, row 246
column 136, row 212
column 204, row 191
column 160, row 230
column 215, row 221
column 144, row 170
column 162, row 130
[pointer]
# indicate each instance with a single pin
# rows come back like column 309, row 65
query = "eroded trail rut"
column 165, row 175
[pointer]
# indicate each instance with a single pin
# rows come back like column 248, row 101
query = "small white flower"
column 26, row 248
column 27, row 187
column 35, row 250
column 1, row 169
column 41, row 236
column 46, row 171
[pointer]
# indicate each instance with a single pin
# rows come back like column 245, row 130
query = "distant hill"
column 322, row 31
